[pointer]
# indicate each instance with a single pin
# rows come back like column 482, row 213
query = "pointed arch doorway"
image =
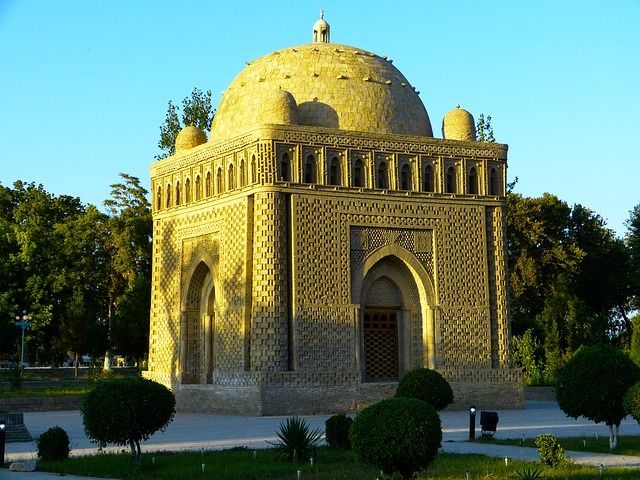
column 198, row 326
column 396, row 320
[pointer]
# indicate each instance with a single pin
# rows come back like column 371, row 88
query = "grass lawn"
column 66, row 391
column 627, row 445
column 238, row 464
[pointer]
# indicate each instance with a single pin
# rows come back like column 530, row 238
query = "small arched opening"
column 285, row 167
column 494, row 183
column 472, row 181
column 427, row 179
column 451, row 180
column 358, row 173
column 231, row 177
column 310, row 170
column 335, row 172
column 405, row 177
column 219, row 181
column 382, row 178
column 207, row 185
column 187, row 190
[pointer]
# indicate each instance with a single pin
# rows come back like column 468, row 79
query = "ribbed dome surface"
column 458, row 124
column 189, row 137
column 333, row 85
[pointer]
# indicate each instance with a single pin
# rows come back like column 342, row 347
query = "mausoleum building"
column 322, row 243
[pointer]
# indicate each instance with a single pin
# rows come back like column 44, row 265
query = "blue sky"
column 84, row 85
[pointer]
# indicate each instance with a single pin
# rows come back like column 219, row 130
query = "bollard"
column 472, row 423
column 3, row 432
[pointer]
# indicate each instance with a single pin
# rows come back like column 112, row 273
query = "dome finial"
column 321, row 30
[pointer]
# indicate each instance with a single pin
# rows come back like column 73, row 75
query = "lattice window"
column 381, row 345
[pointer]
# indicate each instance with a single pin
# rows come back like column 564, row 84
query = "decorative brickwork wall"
column 260, row 286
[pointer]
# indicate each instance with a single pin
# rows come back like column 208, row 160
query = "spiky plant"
column 297, row 441
column 529, row 473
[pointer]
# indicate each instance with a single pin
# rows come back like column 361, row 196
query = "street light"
column 472, row 423
column 23, row 323
column 3, row 432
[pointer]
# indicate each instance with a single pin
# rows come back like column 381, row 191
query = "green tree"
column 539, row 249
column 634, row 350
column 592, row 384
column 12, row 295
column 37, row 217
column 196, row 110
column 126, row 411
column 568, row 277
column 632, row 241
column 128, row 282
column 527, row 356
column 484, row 130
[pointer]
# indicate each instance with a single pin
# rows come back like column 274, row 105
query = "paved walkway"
column 211, row 431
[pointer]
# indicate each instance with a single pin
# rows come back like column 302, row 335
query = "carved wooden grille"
column 380, row 345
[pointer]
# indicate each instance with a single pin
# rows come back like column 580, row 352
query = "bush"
column 427, row 385
column 631, row 402
column 337, row 431
column 53, row 444
column 126, row 411
column 551, row 453
column 297, row 440
column 397, row 435
column 593, row 384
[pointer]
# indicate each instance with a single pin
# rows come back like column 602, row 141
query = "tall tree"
column 632, row 241
column 129, row 277
column 568, row 277
column 82, row 319
column 196, row 110
column 12, row 274
column 36, row 214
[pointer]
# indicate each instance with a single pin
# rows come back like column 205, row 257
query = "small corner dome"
column 278, row 107
column 189, row 137
column 458, row 124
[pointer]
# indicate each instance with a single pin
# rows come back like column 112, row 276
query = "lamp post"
column 472, row 423
column 3, row 432
column 23, row 323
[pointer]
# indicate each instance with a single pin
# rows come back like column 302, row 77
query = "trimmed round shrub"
column 631, row 402
column 427, row 385
column 397, row 435
column 337, row 431
column 126, row 411
column 593, row 383
column 53, row 444
column 551, row 453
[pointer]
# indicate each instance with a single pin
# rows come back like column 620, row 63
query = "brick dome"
column 333, row 86
column 458, row 124
column 189, row 137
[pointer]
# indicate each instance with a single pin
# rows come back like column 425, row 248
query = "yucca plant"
column 297, row 440
column 529, row 473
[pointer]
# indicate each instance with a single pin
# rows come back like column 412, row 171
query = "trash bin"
column 488, row 422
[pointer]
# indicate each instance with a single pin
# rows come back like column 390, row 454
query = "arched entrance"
column 198, row 321
column 396, row 320
column 382, row 312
